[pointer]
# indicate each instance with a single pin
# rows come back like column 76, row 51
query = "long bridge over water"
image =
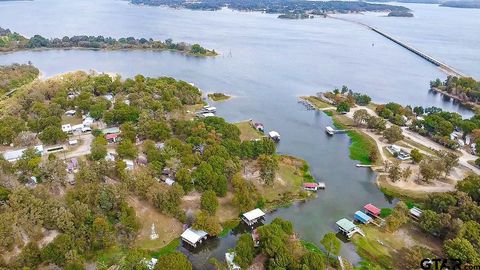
column 444, row 67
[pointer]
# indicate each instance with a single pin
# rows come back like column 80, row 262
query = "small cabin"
column 362, row 217
column 372, row 210
column 415, row 212
column 252, row 217
column 275, row 136
column 193, row 237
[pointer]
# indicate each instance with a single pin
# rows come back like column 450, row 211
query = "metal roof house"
column 14, row 155
column 193, row 237
column 362, row 217
column 415, row 212
column 112, row 130
column 252, row 217
column 372, row 210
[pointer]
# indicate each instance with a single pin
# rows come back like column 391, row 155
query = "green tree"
column 331, row 244
column 395, row 172
column 360, row 117
column 393, row 134
column 55, row 251
column 98, row 149
column 398, row 217
column 430, row 222
column 30, row 256
column 244, row 251
column 246, row 195
column 313, row 261
column 343, row 107
column 209, row 202
column 268, row 168
column 471, row 186
column 450, row 160
column 175, row 260
column 416, row 155
column 127, row 149
column 135, row 260
column 52, row 135
column 128, row 131
column 208, row 223
column 462, row 249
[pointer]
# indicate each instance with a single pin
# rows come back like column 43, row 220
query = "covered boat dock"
column 252, row 217
column 348, row 228
column 193, row 237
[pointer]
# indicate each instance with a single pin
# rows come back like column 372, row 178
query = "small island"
column 218, row 96
column 295, row 16
column 12, row 41
column 400, row 14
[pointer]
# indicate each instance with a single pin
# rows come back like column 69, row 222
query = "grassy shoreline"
column 208, row 54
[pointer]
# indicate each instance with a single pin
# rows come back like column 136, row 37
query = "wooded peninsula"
column 278, row 6
column 12, row 41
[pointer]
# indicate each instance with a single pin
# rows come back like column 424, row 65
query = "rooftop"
column 346, row 224
column 193, row 236
column 372, row 209
column 254, row 214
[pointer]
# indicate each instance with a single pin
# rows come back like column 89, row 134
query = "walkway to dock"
column 444, row 67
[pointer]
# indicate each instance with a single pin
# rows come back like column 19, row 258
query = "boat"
column 329, row 130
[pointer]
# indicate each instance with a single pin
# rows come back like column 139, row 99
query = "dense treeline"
column 466, row 89
column 455, row 218
column 283, row 249
column 13, row 41
column 16, row 75
column 202, row 154
column 277, row 6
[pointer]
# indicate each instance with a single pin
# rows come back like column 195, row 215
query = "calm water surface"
column 266, row 63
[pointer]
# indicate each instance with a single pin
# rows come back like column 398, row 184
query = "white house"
column 78, row 127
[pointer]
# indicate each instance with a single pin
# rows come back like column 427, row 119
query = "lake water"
column 266, row 63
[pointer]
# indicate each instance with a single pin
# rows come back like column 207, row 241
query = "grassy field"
column 218, row 96
column 361, row 144
column 317, row 102
column 166, row 227
column 247, row 132
column 388, row 189
column 383, row 250
column 288, row 185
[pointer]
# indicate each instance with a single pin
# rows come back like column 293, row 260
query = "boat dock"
column 331, row 131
